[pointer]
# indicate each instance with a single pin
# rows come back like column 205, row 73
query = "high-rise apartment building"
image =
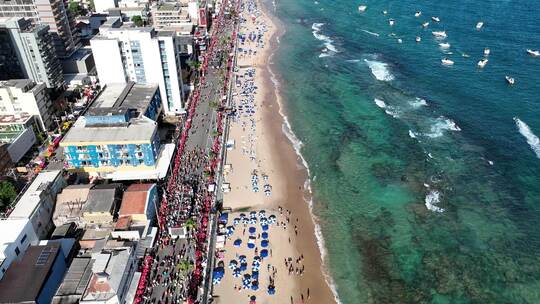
column 140, row 54
column 30, row 53
column 53, row 13
column 23, row 96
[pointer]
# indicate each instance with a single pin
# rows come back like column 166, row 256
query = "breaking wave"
column 432, row 199
column 379, row 70
column 532, row 139
column 441, row 125
column 328, row 42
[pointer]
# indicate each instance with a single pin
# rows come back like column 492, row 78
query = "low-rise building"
column 36, row 277
column 24, row 96
column 37, row 202
column 69, row 204
column 17, row 235
column 102, row 205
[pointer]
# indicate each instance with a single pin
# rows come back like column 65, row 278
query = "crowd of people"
column 172, row 271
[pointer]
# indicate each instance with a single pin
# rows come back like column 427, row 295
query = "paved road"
column 171, row 285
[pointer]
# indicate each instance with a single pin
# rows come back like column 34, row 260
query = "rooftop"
column 168, row 6
column 11, row 228
column 69, row 203
column 21, row 118
column 77, row 278
column 30, row 200
column 125, row 96
column 25, row 278
column 140, row 129
column 101, row 198
column 135, row 199
column 108, row 268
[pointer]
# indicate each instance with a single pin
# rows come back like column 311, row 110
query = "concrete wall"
column 108, row 61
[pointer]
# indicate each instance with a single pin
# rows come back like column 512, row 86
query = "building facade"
column 118, row 132
column 123, row 53
column 17, row 134
column 20, row 97
column 33, row 51
column 17, row 235
column 53, row 13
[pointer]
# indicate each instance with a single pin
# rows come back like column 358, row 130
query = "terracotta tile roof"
column 134, row 200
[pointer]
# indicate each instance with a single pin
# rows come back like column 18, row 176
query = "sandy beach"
column 265, row 173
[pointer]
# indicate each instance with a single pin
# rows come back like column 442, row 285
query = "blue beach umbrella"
column 265, row 227
column 264, row 235
column 253, row 214
column 242, row 259
column 264, row 253
column 255, row 275
column 236, row 221
column 233, row 264
column 271, row 290
column 251, row 245
column 264, row 243
column 243, row 266
column 236, row 273
column 252, row 230
column 255, row 285
column 237, row 242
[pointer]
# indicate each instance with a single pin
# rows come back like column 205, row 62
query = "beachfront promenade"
column 176, row 269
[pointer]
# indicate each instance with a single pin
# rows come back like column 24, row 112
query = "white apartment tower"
column 139, row 54
column 19, row 96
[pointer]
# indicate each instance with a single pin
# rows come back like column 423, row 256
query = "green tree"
column 8, row 193
column 74, row 8
column 137, row 20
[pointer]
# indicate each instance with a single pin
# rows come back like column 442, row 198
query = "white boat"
column 418, row 14
column 479, row 25
column 439, row 34
column 399, row 40
column 487, row 51
column 436, row 19
column 444, row 45
column 482, row 63
column 425, row 24
column 385, row 12
column 510, row 80
column 534, row 53
column 418, row 39
column 391, row 22
column 362, row 8
column 465, row 55
column 446, row 61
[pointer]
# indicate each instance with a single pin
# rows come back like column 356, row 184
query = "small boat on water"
column 418, row 39
column 465, row 55
column 436, row 19
column 391, row 22
column 482, row 63
column 534, row 53
column 444, row 45
column 439, row 34
column 418, row 14
column 446, row 61
column 425, row 24
column 487, row 52
column 362, row 8
column 510, row 80
column 385, row 12
column 479, row 25
column 399, row 40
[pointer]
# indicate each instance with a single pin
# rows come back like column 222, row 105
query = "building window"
column 23, row 238
column 17, row 251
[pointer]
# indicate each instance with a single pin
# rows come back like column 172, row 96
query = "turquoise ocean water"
column 426, row 178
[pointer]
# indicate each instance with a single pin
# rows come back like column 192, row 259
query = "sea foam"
column 441, row 125
column 418, row 102
column 379, row 70
column 532, row 139
column 432, row 199
column 328, row 42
